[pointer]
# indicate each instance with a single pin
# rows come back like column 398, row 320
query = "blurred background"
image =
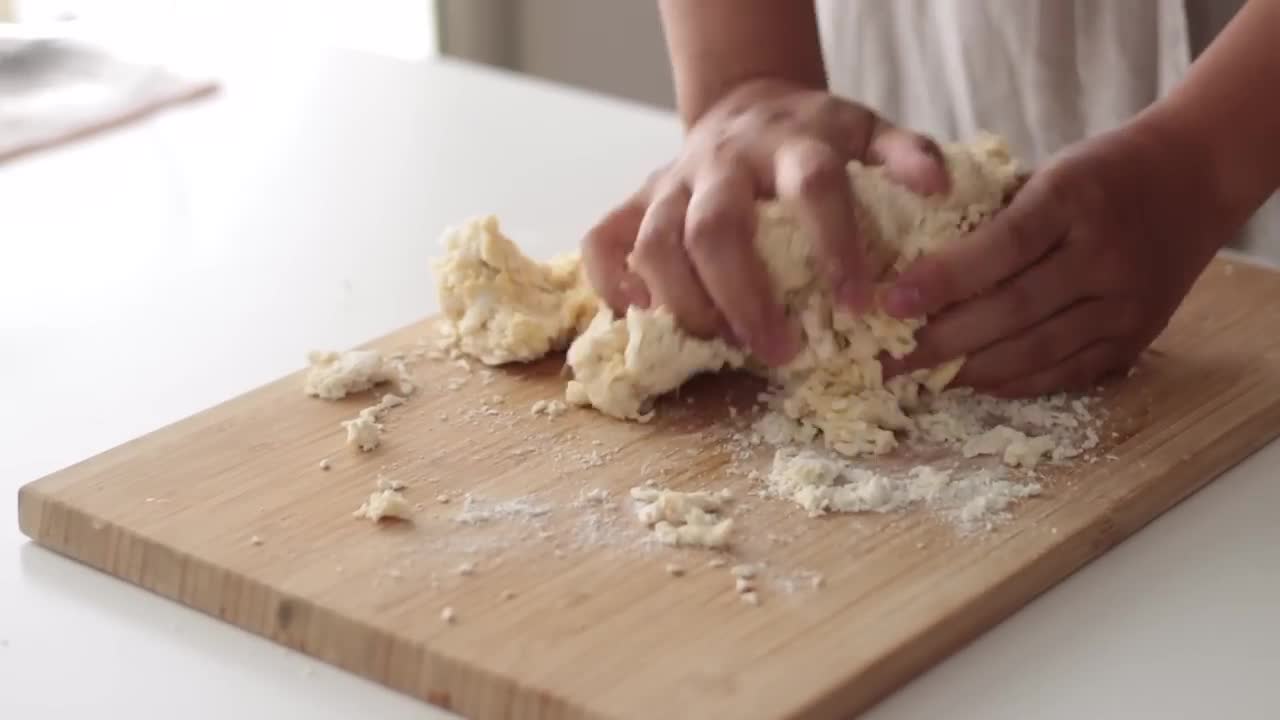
column 611, row 46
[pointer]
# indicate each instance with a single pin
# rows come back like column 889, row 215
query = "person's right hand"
column 686, row 238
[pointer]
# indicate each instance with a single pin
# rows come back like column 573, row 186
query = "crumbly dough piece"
column 822, row 484
column 621, row 366
column 385, row 503
column 550, row 408
column 1013, row 446
column 503, row 307
column 365, row 432
column 334, row 375
column 684, row 519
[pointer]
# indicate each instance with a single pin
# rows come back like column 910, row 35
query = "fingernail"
column 902, row 301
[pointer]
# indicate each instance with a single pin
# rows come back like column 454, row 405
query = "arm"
column 716, row 45
column 1093, row 256
column 1227, row 110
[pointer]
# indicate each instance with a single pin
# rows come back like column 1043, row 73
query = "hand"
column 686, row 239
column 1076, row 276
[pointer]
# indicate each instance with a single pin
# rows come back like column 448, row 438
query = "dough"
column 684, row 519
column 503, row 307
column 334, row 375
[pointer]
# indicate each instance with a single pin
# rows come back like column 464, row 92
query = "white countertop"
column 153, row 272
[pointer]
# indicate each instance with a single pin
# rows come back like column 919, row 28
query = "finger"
column 812, row 178
column 604, row 256
column 1080, row 371
column 909, row 158
column 720, row 239
column 1041, row 346
column 659, row 259
column 1032, row 225
column 1021, row 302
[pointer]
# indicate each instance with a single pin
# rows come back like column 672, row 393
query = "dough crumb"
column 550, row 408
column 750, row 598
column 466, row 569
column 683, row 519
column 675, row 570
column 334, row 375
column 384, row 504
column 448, row 615
column 743, row 571
column 508, row 594
column 255, row 540
column 325, row 464
column 363, row 432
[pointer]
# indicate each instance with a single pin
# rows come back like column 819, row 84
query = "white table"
column 148, row 274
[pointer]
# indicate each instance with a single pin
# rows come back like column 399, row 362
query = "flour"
column 821, row 482
column 476, row 511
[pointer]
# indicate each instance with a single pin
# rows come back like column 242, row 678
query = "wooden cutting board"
column 567, row 612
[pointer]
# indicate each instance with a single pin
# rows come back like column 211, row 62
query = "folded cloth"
column 53, row 90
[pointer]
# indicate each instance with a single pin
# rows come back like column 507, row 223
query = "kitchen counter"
column 162, row 268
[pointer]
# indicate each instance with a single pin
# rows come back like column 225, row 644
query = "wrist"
column 1228, row 167
column 1211, row 177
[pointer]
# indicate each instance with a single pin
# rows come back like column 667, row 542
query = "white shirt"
column 1041, row 73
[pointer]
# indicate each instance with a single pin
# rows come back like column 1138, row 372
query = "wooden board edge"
column 408, row 668
column 1033, row 577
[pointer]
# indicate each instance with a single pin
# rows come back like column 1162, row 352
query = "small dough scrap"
column 385, row 503
column 335, row 375
column 683, row 519
column 550, row 408
column 503, row 307
column 1014, row 446
column 364, row 432
column 824, row 485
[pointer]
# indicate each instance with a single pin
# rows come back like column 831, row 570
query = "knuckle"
column 655, row 244
column 713, row 226
column 818, row 171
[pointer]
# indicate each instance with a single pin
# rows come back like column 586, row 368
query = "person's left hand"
column 1075, row 277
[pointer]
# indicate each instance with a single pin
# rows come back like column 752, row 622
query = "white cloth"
column 1042, row 73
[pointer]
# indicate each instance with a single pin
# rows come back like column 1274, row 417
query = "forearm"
column 716, row 45
column 1228, row 109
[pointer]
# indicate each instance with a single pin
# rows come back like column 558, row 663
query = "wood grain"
column 570, row 614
